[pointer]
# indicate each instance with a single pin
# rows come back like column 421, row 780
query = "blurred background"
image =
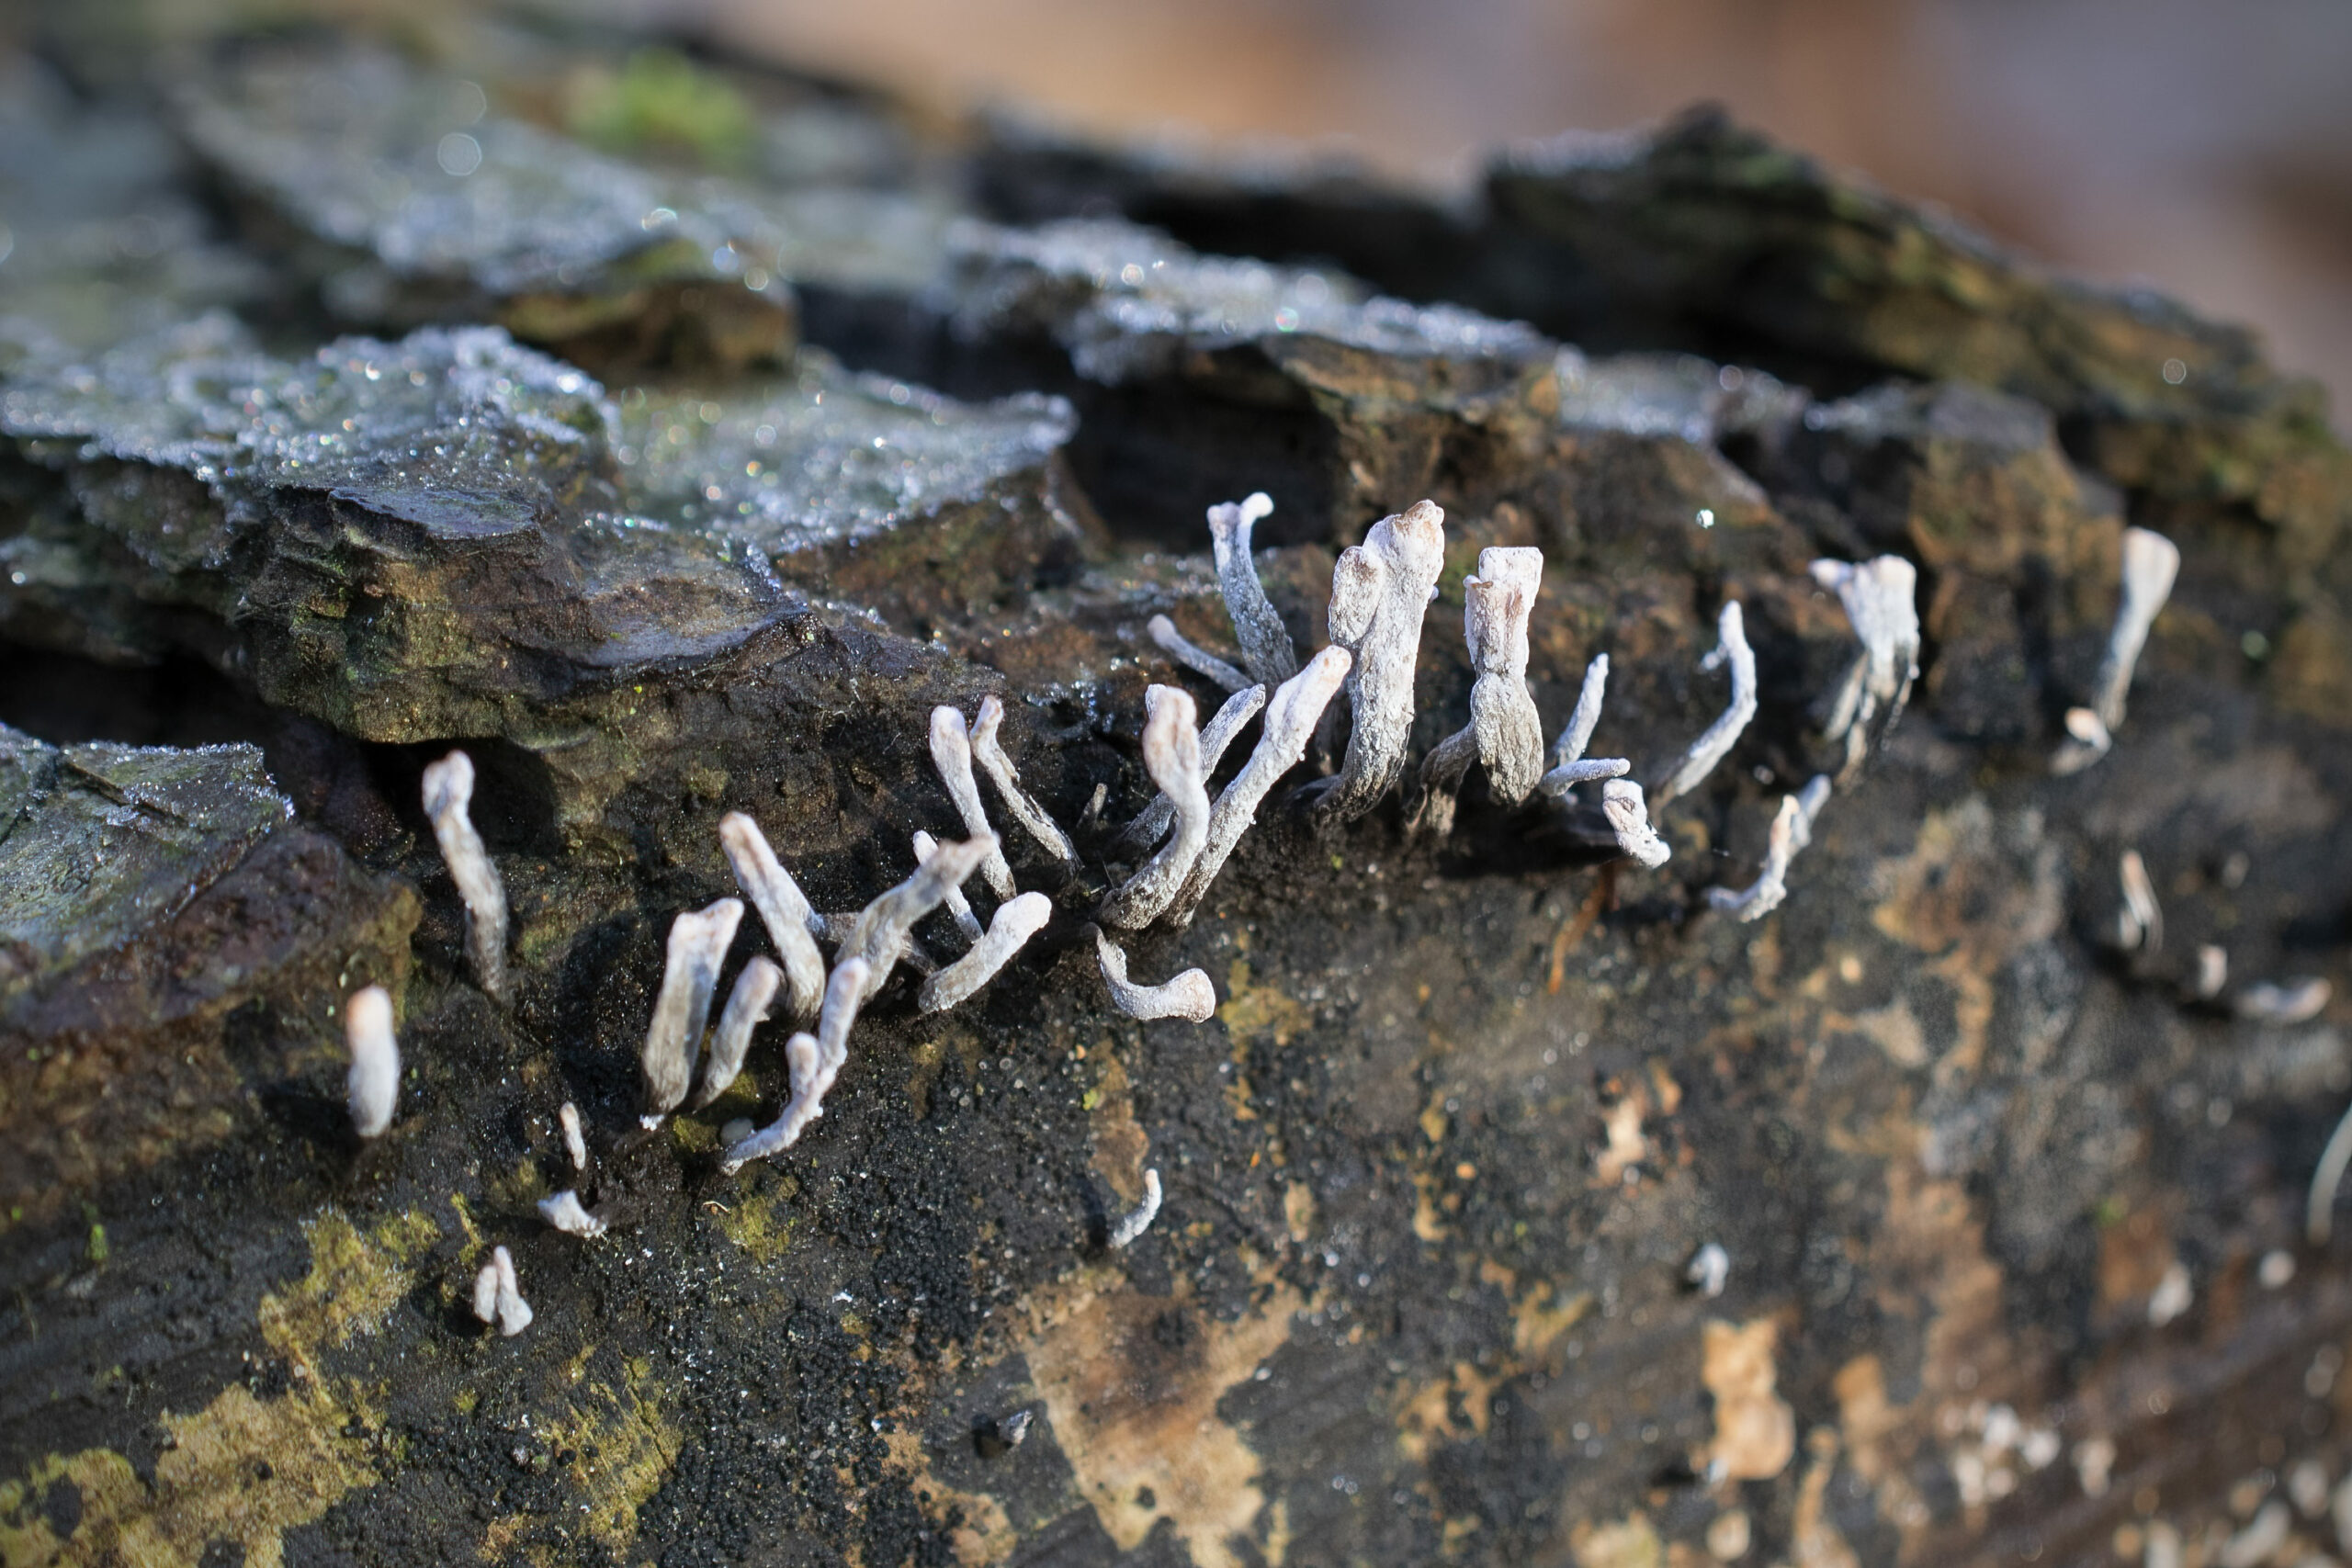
column 2202, row 146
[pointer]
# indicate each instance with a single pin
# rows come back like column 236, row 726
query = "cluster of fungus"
column 1176, row 847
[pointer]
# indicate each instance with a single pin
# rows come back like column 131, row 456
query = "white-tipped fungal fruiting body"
column 814, row 1061
column 988, row 750
column 697, row 946
column 791, row 924
column 2150, row 562
column 1189, row 995
column 1714, row 743
column 566, row 1213
column 1567, row 766
column 1171, row 754
column 1143, row 835
column 1380, row 591
column 950, row 752
column 568, row 1120
column 2288, row 1001
column 959, row 908
column 1290, row 723
column 498, row 1295
column 1266, row 646
column 1505, row 735
column 448, row 797
column 1709, row 1268
column 1138, row 1220
column 2087, row 742
column 1194, row 656
column 1882, row 600
column 1015, row 921
column 1502, row 710
column 2140, row 928
column 1791, row 831
column 373, row 1086
column 2212, row 971
column 1629, row 818
column 746, row 1009
column 883, row 928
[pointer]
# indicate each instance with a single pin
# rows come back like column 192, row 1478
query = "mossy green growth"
column 662, row 102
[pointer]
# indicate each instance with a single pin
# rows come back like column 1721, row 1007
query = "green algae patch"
column 755, row 1219
column 242, row 1469
column 355, row 1279
column 634, row 1442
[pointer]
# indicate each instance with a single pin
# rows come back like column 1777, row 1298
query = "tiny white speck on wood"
column 1138, row 1220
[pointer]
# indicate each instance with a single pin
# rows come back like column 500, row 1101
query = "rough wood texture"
column 2012, row 1213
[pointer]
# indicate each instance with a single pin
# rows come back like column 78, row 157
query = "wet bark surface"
column 671, row 434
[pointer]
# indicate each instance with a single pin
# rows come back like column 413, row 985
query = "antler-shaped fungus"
column 1266, row 646
column 1505, row 734
column 448, row 794
column 2150, row 562
column 1194, row 656
column 1568, row 765
column 1015, row 921
column 1629, row 818
column 1151, row 823
column 1791, row 831
column 1881, row 597
column 951, row 751
column 1290, row 724
column 881, row 933
column 814, row 1062
column 989, row 752
column 1188, row 996
column 792, row 924
column 697, row 946
column 1171, row 754
column 1716, row 740
column 373, row 1087
column 1380, row 591
column 747, row 1008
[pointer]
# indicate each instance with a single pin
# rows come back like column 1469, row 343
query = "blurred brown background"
column 2202, row 146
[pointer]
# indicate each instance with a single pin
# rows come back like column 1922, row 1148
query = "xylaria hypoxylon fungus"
column 1714, row 743
column 1138, row 1220
column 1266, row 646
column 1142, row 835
column 783, row 910
column 1171, row 755
column 698, row 943
column 1015, row 921
column 746, row 1009
column 988, row 750
column 373, row 1086
column 1380, row 591
column 1791, row 831
column 1189, row 995
column 1505, row 735
column 1882, row 602
column 1290, row 715
column 883, row 928
column 448, row 799
column 814, row 1061
column 959, row 908
column 951, row 753
column 1191, row 656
